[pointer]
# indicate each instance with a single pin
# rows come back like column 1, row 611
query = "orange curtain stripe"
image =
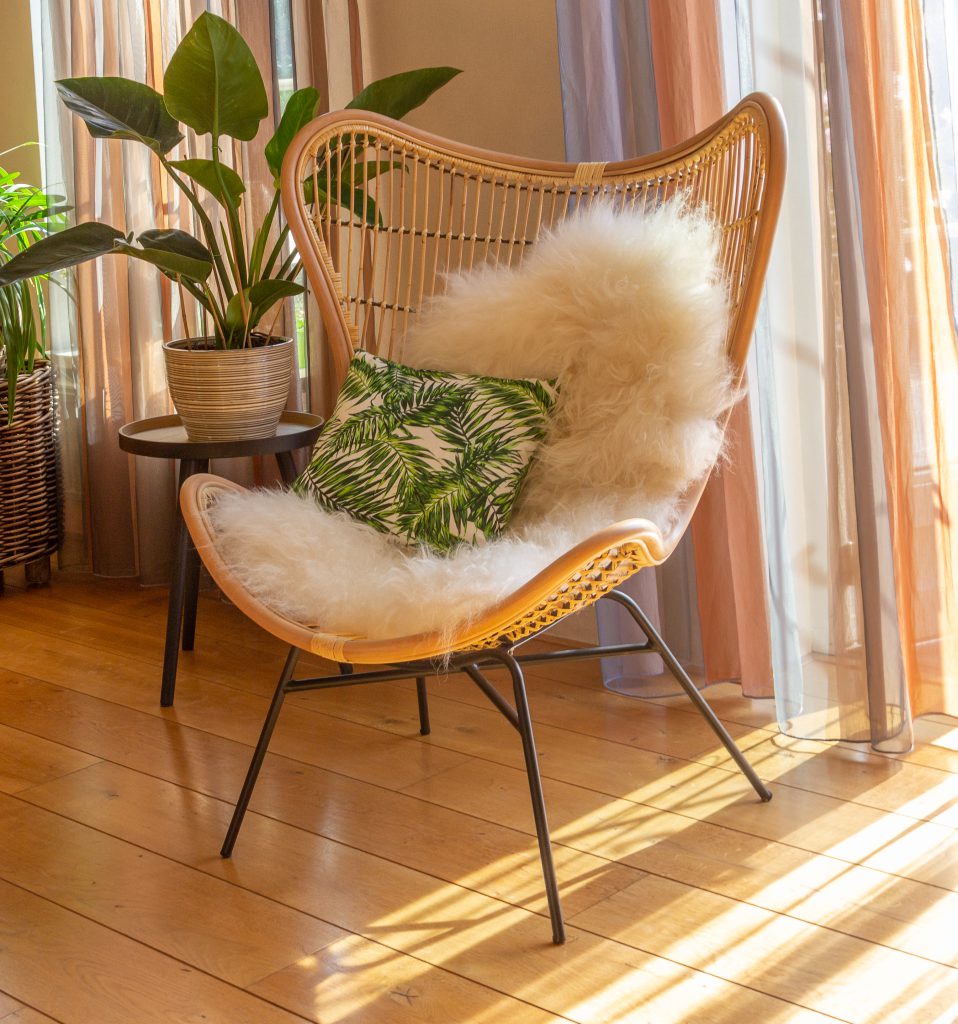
column 913, row 332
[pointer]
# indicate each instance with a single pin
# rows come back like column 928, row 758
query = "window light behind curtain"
column 119, row 511
column 856, row 365
column 800, row 398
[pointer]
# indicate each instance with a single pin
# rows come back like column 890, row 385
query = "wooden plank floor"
column 384, row 877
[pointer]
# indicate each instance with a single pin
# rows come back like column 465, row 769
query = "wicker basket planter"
column 233, row 394
column 29, row 498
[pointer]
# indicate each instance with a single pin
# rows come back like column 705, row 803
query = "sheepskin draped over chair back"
column 389, row 212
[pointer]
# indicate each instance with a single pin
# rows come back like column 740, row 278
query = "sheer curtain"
column 858, row 384
column 119, row 511
column 800, row 395
column 854, row 370
column 891, row 166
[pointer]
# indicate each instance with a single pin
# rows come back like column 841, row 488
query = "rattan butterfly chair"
column 443, row 207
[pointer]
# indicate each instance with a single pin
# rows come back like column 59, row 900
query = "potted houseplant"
column 213, row 87
column 29, row 500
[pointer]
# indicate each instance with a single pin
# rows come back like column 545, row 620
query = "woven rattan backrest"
column 377, row 241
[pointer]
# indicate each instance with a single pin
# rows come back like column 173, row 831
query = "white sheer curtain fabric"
column 858, row 431
column 800, row 395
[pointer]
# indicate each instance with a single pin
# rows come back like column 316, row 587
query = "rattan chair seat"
column 577, row 579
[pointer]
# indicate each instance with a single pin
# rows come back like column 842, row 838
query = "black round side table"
column 164, row 437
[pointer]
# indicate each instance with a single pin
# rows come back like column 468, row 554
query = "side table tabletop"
column 164, row 437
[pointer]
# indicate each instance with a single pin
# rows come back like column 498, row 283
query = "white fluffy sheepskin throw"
column 629, row 313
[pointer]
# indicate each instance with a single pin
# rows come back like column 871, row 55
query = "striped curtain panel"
column 888, row 82
column 858, row 427
column 829, row 551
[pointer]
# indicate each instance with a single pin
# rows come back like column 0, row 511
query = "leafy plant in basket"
column 27, row 215
column 213, row 86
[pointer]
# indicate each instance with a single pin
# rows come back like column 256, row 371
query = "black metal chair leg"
column 260, row 753
column 422, row 697
column 535, row 791
column 682, row 677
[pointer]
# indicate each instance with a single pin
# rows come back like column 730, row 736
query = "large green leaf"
column 396, row 95
column 64, row 249
column 212, row 82
column 299, row 111
column 203, row 172
column 168, row 251
column 264, row 294
column 119, row 108
column 250, row 307
column 178, row 243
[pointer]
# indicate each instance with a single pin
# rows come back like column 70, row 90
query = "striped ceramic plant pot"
column 229, row 394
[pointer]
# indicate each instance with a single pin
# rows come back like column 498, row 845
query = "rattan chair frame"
column 369, row 274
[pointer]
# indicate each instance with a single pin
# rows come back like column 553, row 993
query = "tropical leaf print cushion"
column 431, row 457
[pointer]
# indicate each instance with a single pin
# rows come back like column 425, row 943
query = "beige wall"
column 18, row 111
column 507, row 97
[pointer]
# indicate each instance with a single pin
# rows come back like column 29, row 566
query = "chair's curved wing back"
column 381, row 211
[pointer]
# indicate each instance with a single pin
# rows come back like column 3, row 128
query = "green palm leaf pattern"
column 433, row 458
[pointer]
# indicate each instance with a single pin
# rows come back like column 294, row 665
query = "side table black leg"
column 192, row 575
column 174, row 615
column 287, row 467
column 190, row 594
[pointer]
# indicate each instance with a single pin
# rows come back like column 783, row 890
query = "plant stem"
column 259, row 242
column 238, row 247
column 232, row 219
column 205, row 222
column 186, row 326
column 214, row 313
column 207, row 301
column 290, row 267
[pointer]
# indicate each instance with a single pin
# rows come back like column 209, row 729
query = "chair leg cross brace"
column 517, row 716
